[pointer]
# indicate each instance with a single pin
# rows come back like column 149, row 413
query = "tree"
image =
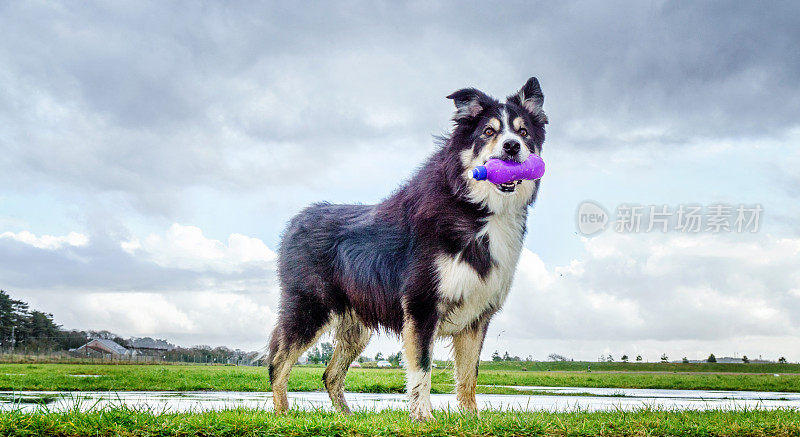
column 6, row 318
column 42, row 331
column 685, row 360
column 664, row 358
column 624, row 358
column 22, row 327
column 610, row 358
column 71, row 339
column 745, row 359
column 712, row 359
column 378, row 356
column 638, row 358
column 554, row 357
column 326, row 351
column 314, row 355
column 506, row 357
column 496, row 356
column 321, row 353
column 782, row 360
column 106, row 335
column 13, row 318
column 395, row 359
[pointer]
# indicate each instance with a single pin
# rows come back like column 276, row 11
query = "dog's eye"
column 488, row 131
column 523, row 132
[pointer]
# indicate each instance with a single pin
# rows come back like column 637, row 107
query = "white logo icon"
column 592, row 218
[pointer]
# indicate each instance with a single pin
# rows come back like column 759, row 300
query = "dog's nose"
column 511, row 147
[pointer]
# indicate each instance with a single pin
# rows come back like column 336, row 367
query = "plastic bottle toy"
column 499, row 172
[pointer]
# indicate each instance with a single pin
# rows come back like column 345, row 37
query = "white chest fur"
column 466, row 294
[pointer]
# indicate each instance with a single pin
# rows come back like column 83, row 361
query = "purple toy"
column 498, row 171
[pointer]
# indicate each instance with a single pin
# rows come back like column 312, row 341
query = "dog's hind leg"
column 284, row 351
column 351, row 339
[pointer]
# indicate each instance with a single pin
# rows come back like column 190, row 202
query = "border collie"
column 435, row 259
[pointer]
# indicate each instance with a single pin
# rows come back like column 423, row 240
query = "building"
column 147, row 346
column 100, row 347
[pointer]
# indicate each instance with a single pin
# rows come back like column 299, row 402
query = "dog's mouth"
column 508, row 187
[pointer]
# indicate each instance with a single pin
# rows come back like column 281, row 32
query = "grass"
column 308, row 378
column 127, row 421
column 241, row 422
column 577, row 366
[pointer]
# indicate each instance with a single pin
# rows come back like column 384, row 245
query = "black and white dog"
column 435, row 259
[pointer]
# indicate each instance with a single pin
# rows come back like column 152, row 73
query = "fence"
column 95, row 357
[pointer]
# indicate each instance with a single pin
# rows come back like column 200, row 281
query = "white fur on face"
column 486, row 193
column 509, row 133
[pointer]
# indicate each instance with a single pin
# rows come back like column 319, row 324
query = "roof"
column 106, row 345
column 112, row 345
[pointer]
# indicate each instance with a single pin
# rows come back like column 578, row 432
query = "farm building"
column 100, row 347
column 147, row 346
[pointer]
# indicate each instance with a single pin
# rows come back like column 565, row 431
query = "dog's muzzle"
column 508, row 187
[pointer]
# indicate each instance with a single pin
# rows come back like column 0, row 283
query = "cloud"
column 697, row 290
column 213, row 317
column 179, row 284
column 634, row 287
column 181, row 259
column 147, row 100
column 186, row 247
column 48, row 241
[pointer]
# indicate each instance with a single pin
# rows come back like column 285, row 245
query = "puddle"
column 25, row 399
column 568, row 399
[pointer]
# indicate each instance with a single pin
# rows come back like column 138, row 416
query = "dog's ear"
column 469, row 103
column 531, row 98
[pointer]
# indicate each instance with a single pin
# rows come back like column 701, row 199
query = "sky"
column 151, row 154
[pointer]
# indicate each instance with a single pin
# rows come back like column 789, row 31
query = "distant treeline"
column 25, row 330
column 207, row 354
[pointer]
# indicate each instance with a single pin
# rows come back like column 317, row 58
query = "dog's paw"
column 422, row 416
column 470, row 410
column 422, row 412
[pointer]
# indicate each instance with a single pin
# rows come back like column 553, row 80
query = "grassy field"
column 641, row 367
column 126, row 422
column 130, row 422
column 308, row 378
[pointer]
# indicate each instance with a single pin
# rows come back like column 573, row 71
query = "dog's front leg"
column 419, row 328
column 467, row 346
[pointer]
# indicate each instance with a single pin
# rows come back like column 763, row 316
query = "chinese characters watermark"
column 592, row 218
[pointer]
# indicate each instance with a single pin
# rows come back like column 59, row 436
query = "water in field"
column 555, row 399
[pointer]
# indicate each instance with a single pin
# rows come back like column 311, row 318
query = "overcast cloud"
column 150, row 154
